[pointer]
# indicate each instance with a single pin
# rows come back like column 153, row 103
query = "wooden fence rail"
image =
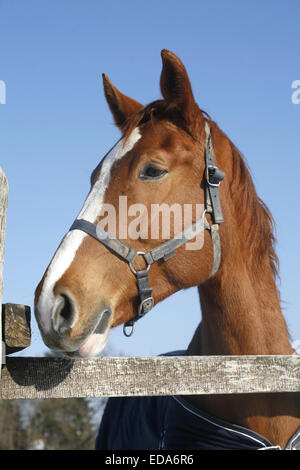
column 34, row 377
column 25, row 377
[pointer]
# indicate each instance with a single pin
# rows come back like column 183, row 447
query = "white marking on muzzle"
column 72, row 241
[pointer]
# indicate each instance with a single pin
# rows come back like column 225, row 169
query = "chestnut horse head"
column 170, row 154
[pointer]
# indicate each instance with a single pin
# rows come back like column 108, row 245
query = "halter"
column 213, row 178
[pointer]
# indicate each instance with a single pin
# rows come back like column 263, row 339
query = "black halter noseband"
column 213, row 178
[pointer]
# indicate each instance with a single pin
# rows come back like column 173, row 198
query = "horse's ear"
column 176, row 87
column 121, row 106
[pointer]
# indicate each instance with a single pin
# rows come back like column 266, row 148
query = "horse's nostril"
column 63, row 314
column 66, row 311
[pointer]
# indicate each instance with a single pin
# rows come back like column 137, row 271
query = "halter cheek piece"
column 213, row 178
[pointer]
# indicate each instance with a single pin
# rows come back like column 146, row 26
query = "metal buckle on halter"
column 146, row 301
column 213, row 172
column 145, row 306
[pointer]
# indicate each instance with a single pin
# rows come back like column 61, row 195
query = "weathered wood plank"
column 25, row 377
column 3, row 208
column 16, row 332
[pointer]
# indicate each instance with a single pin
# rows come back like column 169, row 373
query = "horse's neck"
column 240, row 316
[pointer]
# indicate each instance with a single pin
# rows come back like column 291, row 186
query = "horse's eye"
column 151, row 172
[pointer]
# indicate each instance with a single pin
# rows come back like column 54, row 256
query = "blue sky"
column 242, row 58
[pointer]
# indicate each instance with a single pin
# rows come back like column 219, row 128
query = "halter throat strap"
column 167, row 249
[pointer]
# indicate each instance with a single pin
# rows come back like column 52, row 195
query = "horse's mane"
column 252, row 214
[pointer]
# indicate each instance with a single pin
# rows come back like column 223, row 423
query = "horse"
column 172, row 152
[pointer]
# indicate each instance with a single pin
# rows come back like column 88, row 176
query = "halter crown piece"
column 213, row 178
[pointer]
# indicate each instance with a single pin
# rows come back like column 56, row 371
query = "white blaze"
column 72, row 241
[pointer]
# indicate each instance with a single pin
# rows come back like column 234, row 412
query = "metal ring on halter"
column 134, row 271
column 125, row 325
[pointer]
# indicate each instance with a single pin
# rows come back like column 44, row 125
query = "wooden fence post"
column 3, row 208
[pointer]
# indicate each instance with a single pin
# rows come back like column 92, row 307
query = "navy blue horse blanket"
column 156, row 423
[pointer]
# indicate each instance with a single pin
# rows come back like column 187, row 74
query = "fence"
column 35, row 377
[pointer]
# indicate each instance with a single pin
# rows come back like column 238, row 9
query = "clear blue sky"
column 242, row 58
